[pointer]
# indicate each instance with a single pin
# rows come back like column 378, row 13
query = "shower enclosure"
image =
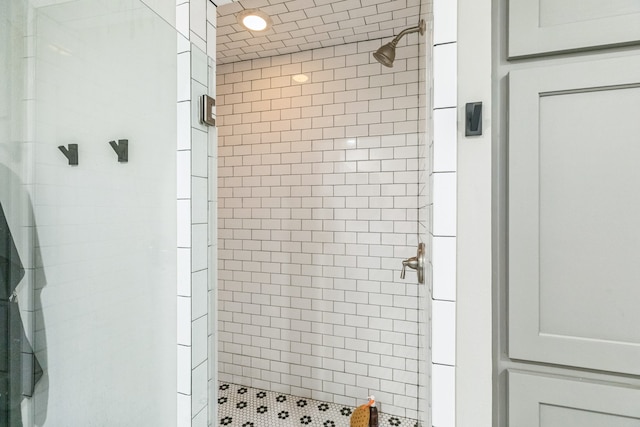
column 92, row 222
column 323, row 191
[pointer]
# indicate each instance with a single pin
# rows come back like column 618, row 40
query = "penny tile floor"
column 240, row 406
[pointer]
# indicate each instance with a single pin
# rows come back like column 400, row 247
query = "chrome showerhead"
column 387, row 53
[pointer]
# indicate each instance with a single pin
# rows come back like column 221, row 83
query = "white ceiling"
column 300, row 25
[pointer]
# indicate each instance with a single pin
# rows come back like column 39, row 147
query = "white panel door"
column 574, row 205
column 554, row 401
column 543, row 26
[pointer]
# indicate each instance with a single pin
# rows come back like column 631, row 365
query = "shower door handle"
column 417, row 263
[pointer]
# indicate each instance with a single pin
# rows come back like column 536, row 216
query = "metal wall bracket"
column 122, row 149
column 207, row 113
column 71, row 153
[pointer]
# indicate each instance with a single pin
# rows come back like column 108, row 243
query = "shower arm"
column 406, row 31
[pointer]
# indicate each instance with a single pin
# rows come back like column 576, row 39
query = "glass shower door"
column 91, row 201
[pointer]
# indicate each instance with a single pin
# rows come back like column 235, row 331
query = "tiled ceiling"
column 300, row 25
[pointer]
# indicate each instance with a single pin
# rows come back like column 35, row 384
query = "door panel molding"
column 545, row 26
column 527, row 338
column 550, row 401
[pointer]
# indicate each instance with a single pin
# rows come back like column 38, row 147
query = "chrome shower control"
column 417, row 263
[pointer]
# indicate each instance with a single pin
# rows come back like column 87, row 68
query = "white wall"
column 474, row 332
column 185, row 274
column 104, row 231
column 318, row 206
column 462, row 329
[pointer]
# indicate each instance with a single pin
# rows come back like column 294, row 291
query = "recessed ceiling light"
column 300, row 78
column 254, row 20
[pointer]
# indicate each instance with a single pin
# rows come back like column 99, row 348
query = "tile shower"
column 342, row 296
column 318, row 205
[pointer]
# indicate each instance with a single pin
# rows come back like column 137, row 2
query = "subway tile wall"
column 196, row 161
column 318, row 205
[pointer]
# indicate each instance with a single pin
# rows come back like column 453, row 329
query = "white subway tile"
column 369, row 166
column 184, row 369
column 184, row 76
column 199, row 150
column 183, row 125
column 199, row 65
column 211, row 37
column 199, row 302
column 183, row 410
column 197, row 41
column 445, row 76
column 184, row 320
column 443, row 318
column 444, row 268
column 200, row 420
column 184, row 271
column 182, row 19
column 444, row 140
column 444, row 204
column 199, row 388
column 183, row 172
column 199, row 250
column 199, row 343
column 184, row 223
column 445, row 19
column 199, row 200
column 443, row 395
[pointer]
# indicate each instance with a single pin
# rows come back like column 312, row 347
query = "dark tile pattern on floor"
column 240, row 406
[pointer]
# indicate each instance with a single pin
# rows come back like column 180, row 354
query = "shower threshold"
column 241, row 406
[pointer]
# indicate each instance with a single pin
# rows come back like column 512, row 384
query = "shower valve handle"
column 417, row 263
column 411, row 262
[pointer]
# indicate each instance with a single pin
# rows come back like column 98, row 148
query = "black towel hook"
column 70, row 153
column 122, row 149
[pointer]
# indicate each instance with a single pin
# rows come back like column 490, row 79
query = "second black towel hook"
column 122, row 149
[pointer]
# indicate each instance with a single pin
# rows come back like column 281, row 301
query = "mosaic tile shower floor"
column 240, row 406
